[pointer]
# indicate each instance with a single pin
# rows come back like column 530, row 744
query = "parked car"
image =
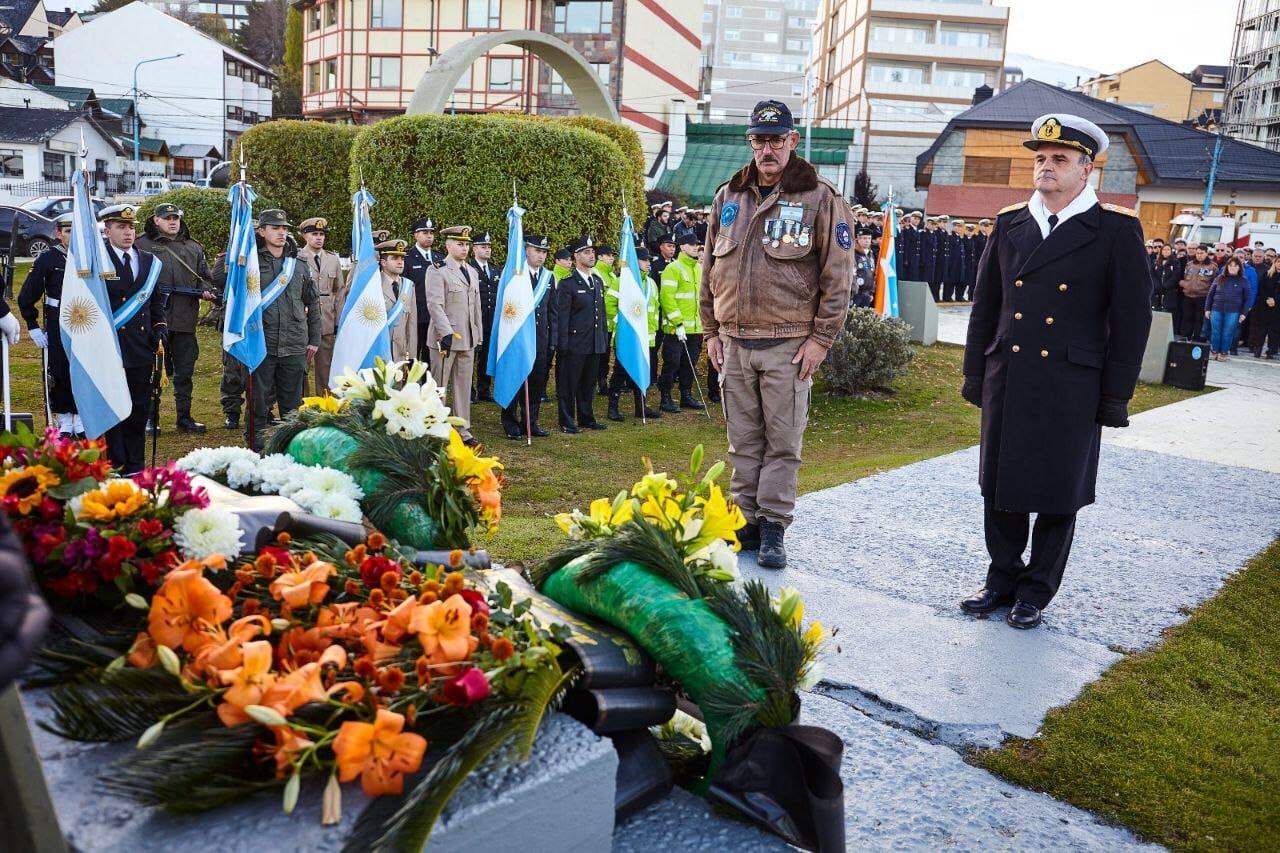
column 52, row 206
column 27, row 233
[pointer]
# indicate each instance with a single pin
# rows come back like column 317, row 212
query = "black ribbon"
column 788, row 781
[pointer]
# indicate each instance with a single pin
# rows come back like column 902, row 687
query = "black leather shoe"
column 539, row 432
column 984, row 601
column 1024, row 616
column 652, row 414
column 231, row 422
column 596, row 425
column 690, row 403
column 669, row 405
column 471, row 442
column 749, row 537
column 515, row 436
column 773, row 554
column 572, row 430
column 186, row 423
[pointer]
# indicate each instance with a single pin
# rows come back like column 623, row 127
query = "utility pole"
column 137, row 119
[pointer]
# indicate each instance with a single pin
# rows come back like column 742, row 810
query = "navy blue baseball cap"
column 770, row 118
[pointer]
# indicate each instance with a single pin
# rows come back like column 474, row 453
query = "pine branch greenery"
column 115, row 706
column 642, row 543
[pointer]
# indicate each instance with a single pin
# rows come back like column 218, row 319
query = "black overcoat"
column 578, row 315
column 139, row 336
column 1057, row 324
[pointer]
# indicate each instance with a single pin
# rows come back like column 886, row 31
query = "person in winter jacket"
column 1196, row 279
column 1226, row 305
column 1166, row 272
column 1264, row 319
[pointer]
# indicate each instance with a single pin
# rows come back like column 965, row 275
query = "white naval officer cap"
column 1071, row 131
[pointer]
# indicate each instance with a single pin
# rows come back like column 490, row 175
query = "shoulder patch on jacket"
column 1115, row 208
column 438, row 265
column 1011, row 208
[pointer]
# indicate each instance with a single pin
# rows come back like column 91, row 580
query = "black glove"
column 159, row 335
column 446, row 343
column 972, row 390
column 1113, row 412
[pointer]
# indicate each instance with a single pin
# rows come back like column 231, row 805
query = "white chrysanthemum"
column 243, row 474
column 306, row 498
column 331, row 482
column 196, row 462
column 201, row 533
column 337, row 507
column 277, row 471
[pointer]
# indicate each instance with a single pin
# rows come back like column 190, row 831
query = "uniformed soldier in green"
column 183, row 284
column 290, row 322
column 620, row 378
column 681, row 324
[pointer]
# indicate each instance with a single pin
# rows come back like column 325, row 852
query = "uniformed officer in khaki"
column 326, row 272
column 398, row 290
column 455, row 327
column 778, row 267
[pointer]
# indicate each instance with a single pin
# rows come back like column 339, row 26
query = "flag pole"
column 528, row 417
column 249, row 424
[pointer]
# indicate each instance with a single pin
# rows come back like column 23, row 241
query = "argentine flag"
column 633, row 311
column 514, row 335
column 98, row 383
column 362, row 329
column 886, row 298
column 242, row 334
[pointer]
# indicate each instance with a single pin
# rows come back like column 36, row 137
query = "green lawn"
column 1182, row 742
column 847, row 439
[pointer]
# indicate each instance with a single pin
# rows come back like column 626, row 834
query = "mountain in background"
column 1054, row 73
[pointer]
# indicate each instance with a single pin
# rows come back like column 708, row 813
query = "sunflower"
column 27, row 485
column 114, row 499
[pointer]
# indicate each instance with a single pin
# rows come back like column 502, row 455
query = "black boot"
column 186, row 423
column 749, row 537
column 668, row 404
column 688, row 402
column 614, row 414
column 231, row 421
column 773, row 554
column 643, row 411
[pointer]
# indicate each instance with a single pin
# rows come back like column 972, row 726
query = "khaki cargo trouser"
column 767, row 408
column 453, row 371
column 323, row 364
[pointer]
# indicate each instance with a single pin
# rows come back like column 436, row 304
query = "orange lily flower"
column 252, row 677
column 183, row 606
column 223, row 650
column 288, row 744
column 399, row 620
column 300, row 588
column 294, row 690
column 444, row 629
column 142, row 654
column 379, row 753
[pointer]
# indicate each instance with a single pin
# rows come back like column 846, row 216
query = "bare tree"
column 262, row 36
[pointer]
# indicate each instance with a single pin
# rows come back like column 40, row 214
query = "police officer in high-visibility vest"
column 621, row 380
column 681, row 324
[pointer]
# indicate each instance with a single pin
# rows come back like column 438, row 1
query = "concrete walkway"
column 911, row 682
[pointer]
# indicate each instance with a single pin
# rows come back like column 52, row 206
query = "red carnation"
column 372, row 569
column 151, row 527
column 467, row 689
column 475, row 598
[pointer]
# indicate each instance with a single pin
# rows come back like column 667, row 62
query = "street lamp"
column 137, row 123
column 1222, row 131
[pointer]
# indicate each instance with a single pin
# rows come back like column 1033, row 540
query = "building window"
column 385, row 14
column 55, row 166
column 987, row 170
column 798, row 44
column 484, row 14
column 966, row 38
column 733, row 12
column 331, row 13
column 313, row 78
column 506, row 74
column 580, row 16
column 900, row 35
column 384, row 72
column 896, row 74
column 331, row 73
column 773, row 14
column 313, row 18
column 231, row 68
column 10, row 163
column 967, row 78
column 732, row 35
column 602, row 71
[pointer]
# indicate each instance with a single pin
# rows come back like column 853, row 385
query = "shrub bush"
column 869, row 353
column 459, row 171
column 304, row 167
column 206, row 212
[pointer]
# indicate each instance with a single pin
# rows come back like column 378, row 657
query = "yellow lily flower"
column 602, row 513
column 465, row 461
column 816, row 634
column 720, row 520
column 327, row 403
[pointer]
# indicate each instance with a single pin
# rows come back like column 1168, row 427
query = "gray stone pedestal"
column 919, row 311
column 1157, row 351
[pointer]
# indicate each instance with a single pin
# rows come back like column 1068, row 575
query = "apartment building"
column 234, row 13
column 898, row 70
column 363, row 58
column 753, row 50
column 1153, row 87
column 1253, row 79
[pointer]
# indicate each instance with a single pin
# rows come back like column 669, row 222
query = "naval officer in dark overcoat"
column 1059, row 324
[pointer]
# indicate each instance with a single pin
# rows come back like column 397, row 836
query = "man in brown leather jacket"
column 1196, row 278
column 778, row 266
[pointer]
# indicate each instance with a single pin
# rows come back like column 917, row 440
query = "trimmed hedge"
column 628, row 140
column 206, row 212
column 459, row 170
column 303, row 166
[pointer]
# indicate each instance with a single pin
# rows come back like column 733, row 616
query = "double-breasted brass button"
column 1017, row 316
column 1018, row 283
column 1016, row 348
column 1044, row 353
column 1048, row 321
column 1062, row 287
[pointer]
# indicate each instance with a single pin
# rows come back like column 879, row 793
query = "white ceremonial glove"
column 10, row 328
column 681, row 334
column 39, row 338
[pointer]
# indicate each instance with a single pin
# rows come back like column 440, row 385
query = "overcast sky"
column 1109, row 36
column 1115, row 35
